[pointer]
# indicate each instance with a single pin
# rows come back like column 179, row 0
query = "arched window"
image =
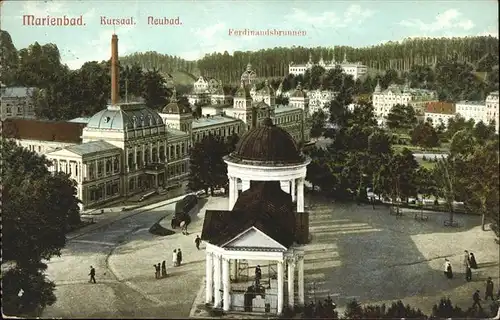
column 116, row 165
column 155, row 154
column 139, row 159
column 162, row 153
column 147, row 155
column 131, row 164
column 108, row 166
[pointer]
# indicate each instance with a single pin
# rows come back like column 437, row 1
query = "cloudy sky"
column 206, row 24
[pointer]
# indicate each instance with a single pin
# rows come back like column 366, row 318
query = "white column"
column 135, row 157
column 226, row 284
column 209, row 278
column 285, row 186
column 301, row 280
column 235, row 190
column 231, row 193
column 217, row 281
column 294, row 190
column 291, row 282
column 280, row 287
column 245, row 185
column 300, row 195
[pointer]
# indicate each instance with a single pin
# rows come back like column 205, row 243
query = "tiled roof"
column 440, row 107
column 91, row 147
column 30, row 129
column 264, row 206
column 212, row 120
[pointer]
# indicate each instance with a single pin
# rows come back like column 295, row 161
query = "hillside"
column 183, row 78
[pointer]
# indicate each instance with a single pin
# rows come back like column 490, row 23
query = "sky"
column 205, row 26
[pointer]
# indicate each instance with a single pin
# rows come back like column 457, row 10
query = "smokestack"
column 115, row 71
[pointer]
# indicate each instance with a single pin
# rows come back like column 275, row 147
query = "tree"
column 462, row 143
column 482, row 182
column 313, row 77
column 483, row 133
column 446, row 181
column 154, row 92
column 38, row 209
column 318, row 120
column 401, row 117
column 207, row 168
column 424, row 135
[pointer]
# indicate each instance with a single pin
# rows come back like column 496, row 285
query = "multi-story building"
column 438, row 113
column 209, row 92
column 128, row 148
column 320, row 100
column 475, row 110
column 492, row 109
column 355, row 69
column 16, row 102
column 384, row 100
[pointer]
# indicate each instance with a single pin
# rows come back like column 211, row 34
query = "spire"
column 249, row 66
column 378, row 88
column 299, row 86
column 345, row 57
column 173, row 98
column 310, row 57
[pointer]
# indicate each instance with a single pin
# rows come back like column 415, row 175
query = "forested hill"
column 399, row 56
column 163, row 62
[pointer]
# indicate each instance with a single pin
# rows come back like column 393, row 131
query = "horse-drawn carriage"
column 181, row 216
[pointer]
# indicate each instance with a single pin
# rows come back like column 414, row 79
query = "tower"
column 115, row 71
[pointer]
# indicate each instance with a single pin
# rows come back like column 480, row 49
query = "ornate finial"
column 173, row 98
column 249, row 66
column 345, row 57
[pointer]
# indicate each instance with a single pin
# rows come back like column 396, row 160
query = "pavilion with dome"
column 261, row 225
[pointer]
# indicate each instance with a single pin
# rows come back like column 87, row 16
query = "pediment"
column 63, row 153
column 253, row 238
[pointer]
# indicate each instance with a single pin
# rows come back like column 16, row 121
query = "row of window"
column 104, row 191
column 105, row 167
column 220, row 131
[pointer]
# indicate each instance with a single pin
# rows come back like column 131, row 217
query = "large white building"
column 127, row 148
column 209, row 92
column 439, row 113
column 475, row 110
column 16, row 102
column 384, row 100
column 356, row 70
column 492, row 109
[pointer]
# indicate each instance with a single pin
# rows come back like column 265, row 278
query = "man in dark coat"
column 92, row 274
column 163, row 269
column 476, row 299
column 197, row 242
column 489, row 289
column 179, row 257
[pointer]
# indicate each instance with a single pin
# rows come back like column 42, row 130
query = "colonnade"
column 295, row 187
column 218, row 283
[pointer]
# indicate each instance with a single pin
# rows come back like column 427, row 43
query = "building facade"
column 439, row 113
column 492, row 109
column 356, row 70
column 16, row 102
column 475, row 110
column 384, row 100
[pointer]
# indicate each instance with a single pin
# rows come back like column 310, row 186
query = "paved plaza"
column 355, row 252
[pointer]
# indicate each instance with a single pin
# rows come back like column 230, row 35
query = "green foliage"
column 207, row 168
column 445, row 310
column 401, row 117
column 163, row 62
column 38, row 209
column 318, row 120
column 456, row 81
column 424, row 135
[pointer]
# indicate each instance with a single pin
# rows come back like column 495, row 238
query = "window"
column 91, row 171
column 117, row 164
column 131, row 184
column 131, row 163
column 100, row 168
column 139, row 159
column 108, row 166
column 155, row 155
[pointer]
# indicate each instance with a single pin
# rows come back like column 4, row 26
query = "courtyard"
column 355, row 253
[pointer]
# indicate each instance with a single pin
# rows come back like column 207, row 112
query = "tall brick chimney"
column 115, row 71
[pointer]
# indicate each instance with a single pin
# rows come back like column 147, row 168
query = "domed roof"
column 267, row 89
column 243, row 92
column 125, row 116
column 299, row 92
column 174, row 107
column 267, row 144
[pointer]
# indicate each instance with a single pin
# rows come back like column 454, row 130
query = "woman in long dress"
column 472, row 261
column 447, row 269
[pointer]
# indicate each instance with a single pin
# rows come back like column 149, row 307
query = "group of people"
column 476, row 298
column 469, row 264
column 161, row 271
column 320, row 310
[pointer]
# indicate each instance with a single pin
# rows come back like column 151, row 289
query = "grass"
column 426, row 164
column 183, row 78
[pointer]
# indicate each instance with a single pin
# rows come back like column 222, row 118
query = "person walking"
column 157, row 270
column 163, row 269
column 489, row 290
column 472, row 261
column 179, row 257
column 92, row 275
column 466, row 259
column 197, row 242
column 476, row 298
column 468, row 274
column 448, row 271
column 174, row 258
